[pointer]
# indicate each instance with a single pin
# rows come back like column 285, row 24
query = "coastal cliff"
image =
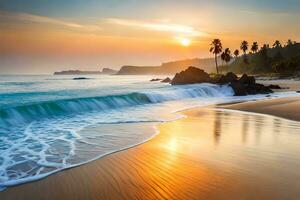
column 173, row 67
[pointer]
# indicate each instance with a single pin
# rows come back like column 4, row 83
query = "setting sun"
column 185, row 42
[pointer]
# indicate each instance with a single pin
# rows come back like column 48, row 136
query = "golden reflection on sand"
column 212, row 154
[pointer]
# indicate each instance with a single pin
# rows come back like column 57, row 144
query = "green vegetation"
column 283, row 60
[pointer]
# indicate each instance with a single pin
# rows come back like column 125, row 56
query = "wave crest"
column 31, row 112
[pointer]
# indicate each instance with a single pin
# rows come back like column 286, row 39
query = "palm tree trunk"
column 221, row 68
column 216, row 63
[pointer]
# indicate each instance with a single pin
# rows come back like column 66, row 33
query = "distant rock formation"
column 166, row 80
column 241, row 86
column 80, row 78
column 79, row 72
column 76, row 72
column 139, row 70
column 109, row 71
column 208, row 64
column 155, row 79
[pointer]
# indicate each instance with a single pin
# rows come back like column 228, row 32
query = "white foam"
column 42, row 147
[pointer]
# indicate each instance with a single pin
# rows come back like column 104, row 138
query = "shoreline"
column 283, row 107
column 180, row 115
column 85, row 172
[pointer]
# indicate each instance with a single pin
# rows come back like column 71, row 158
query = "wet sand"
column 211, row 154
column 288, row 108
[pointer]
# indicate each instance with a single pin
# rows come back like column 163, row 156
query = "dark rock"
column 228, row 78
column 243, row 86
column 190, row 76
column 241, row 89
column 79, row 78
column 238, row 88
column 245, row 79
column 156, row 79
column 166, row 80
column 257, row 89
column 274, row 87
column 298, row 91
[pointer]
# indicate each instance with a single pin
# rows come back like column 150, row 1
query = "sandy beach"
column 282, row 107
column 187, row 160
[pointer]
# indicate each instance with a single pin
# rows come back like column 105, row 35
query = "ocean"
column 51, row 123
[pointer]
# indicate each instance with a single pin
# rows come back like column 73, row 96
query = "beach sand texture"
column 211, row 154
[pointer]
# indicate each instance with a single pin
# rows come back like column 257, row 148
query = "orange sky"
column 41, row 44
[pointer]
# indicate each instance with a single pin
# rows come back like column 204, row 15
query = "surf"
column 39, row 110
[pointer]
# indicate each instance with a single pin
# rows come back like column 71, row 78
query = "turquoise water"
column 46, row 122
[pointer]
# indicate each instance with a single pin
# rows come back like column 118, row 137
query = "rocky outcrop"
column 228, row 78
column 190, row 76
column 276, row 87
column 248, row 80
column 166, row 80
column 241, row 89
column 80, row 78
column 155, row 79
column 242, row 86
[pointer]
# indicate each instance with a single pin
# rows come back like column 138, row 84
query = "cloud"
column 161, row 26
column 26, row 17
column 14, row 16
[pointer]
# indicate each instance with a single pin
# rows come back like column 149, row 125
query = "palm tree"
column 289, row 42
column 216, row 48
column 227, row 53
column 244, row 46
column 277, row 44
column 254, row 47
column 236, row 53
column 264, row 50
column 223, row 60
column 223, row 56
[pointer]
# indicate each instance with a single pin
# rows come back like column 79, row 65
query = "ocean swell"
column 39, row 110
column 38, row 139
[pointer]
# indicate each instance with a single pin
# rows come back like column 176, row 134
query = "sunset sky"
column 42, row 36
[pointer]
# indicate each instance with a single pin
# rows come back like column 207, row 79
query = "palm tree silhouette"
column 216, row 48
column 227, row 53
column 264, row 51
column 277, row 44
column 244, row 46
column 223, row 60
column 226, row 56
column 289, row 42
column 236, row 53
column 254, row 47
column 223, row 56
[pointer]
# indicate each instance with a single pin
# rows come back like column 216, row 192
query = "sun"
column 185, row 42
